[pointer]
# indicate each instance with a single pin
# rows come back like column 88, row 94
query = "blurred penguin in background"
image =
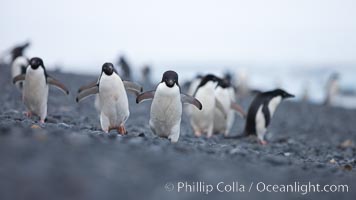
column 18, row 51
column 225, row 117
column 19, row 62
column 230, row 78
column 242, row 83
column 18, row 67
column 125, row 68
column 146, row 75
column 10, row 55
column 306, row 91
column 202, row 121
column 332, row 89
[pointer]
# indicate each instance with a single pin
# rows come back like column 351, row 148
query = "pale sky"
column 82, row 32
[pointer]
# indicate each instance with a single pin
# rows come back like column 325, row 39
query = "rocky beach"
column 71, row 158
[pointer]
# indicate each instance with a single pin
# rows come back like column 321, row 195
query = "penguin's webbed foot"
column 28, row 114
column 263, row 142
column 122, row 130
column 197, row 133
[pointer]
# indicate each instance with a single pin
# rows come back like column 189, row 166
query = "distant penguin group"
column 211, row 101
column 219, row 104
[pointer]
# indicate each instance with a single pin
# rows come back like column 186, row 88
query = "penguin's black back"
column 260, row 99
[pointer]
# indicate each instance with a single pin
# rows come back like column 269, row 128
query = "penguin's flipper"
column 17, row 78
column 220, row 107
column 85, row 87
column 52, row 81
column 191, row 100
column 238, row 109
column 86, row 93
column 133, row 87
column 145, row 96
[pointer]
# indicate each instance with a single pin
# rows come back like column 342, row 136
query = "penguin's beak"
column 289, row 96
column 170, row 83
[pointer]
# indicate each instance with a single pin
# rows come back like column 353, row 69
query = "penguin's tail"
column 239, row 136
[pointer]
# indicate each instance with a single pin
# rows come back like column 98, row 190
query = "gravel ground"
column 71, row 158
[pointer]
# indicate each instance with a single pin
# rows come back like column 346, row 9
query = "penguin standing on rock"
column 166, row 108
column 261, row 112
column 35, row 91
column 126, row 69
column 332, row 89
column 225, row 94
column 113, row 101
column 202, row 121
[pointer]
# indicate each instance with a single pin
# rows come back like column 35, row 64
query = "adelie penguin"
column 224, row 119
column 113, row 101
column 202, row 121
column 166, row 108
column 35, row 90
column 261, row 111
column 18, row 67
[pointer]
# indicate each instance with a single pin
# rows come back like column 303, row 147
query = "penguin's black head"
column 170, row 78
column 36, row 62
column 228, row 76
column 199, row 76
column 108, row 69
column 207, row 78
column 282, row 93
column 224, row 83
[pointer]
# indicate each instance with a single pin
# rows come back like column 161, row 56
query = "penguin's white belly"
column 222, row 124
column 203, row 119
column 16, row 67
column 166, row 112
column 113, row 102
column 35, row 92
column 220, row 121
column 260, row 123
column 231, row 114
column 273, row 104
column 15, row 70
